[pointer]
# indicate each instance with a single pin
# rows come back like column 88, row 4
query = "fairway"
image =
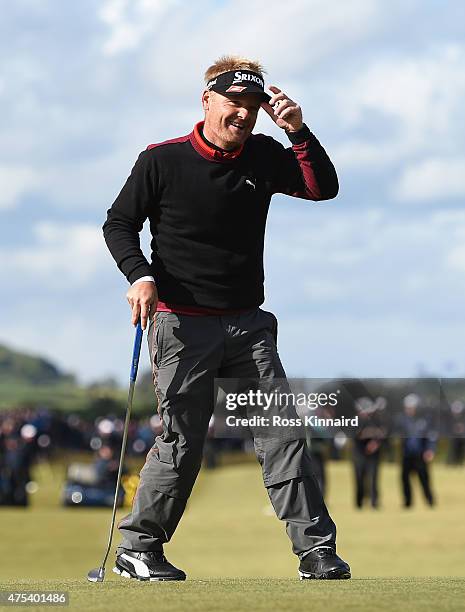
column 236, row 553
column 384, row 594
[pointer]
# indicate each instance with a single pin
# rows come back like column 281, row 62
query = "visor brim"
column 250, row 89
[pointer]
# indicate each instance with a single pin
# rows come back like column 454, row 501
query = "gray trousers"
column 187, row 354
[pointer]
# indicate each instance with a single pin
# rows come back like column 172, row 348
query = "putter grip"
column 136, row 352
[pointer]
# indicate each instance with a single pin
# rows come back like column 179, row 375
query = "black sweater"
column 207, row 211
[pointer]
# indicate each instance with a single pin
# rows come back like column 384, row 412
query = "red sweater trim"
column 198, row 311
column 208, row 152
column 167, row 142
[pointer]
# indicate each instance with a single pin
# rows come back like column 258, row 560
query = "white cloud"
column 432, row 179
column 455, row 258
column 63, row 256
column 363, row 154
column 96, row 182
column 324, row 25
column 130, row 21
column 290, row 45
column 336, row 261
column 421, row 91
column 324, row 346
column 92, row 342
column 415, row 104
column 323, row 290
column 15, row 181
column 105, row 111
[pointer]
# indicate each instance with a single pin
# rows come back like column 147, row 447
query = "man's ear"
column 205, row 99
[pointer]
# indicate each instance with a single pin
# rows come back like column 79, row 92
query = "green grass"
column 262, row 594
column 69, row 397
column 237, row 555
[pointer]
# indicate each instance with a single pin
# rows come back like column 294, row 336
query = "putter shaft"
column 98, row 574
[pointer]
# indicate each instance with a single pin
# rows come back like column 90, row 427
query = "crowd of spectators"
column 30, row 435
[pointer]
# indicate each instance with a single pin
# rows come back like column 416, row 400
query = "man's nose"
column 243, row 113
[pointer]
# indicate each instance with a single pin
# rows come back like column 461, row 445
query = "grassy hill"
column 27, row 380
column 15, row 365
column 33, row 381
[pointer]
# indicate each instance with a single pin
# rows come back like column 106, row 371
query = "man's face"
column 229, row 119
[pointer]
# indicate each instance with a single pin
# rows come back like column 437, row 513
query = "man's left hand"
column 286, row 113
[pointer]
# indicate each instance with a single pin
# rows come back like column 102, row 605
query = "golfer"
column 206, row 195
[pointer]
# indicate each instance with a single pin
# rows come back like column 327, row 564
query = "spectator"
column 17, row 451
column 418, row 447
column 366, row 449
column 456, row 452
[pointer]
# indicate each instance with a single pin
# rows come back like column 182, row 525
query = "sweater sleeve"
column 126, row 217
column 305, row 170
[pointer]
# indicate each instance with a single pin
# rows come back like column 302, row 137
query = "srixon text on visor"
column 243, row 76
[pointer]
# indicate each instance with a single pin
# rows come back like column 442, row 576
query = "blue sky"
column 370, row 284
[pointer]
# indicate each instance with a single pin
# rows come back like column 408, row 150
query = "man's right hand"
column 143, row 299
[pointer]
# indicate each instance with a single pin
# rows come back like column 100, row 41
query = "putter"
column 98, row 574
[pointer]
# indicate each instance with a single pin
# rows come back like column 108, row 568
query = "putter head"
column 96, row 575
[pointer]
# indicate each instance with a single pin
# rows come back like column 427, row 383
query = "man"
column 366, row 448
column 206, row 195
column 418, row 448
column 18, row 449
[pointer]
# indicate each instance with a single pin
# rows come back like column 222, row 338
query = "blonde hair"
column 225, row 63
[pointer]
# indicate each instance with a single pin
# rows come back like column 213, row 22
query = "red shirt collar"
column 208, row 152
